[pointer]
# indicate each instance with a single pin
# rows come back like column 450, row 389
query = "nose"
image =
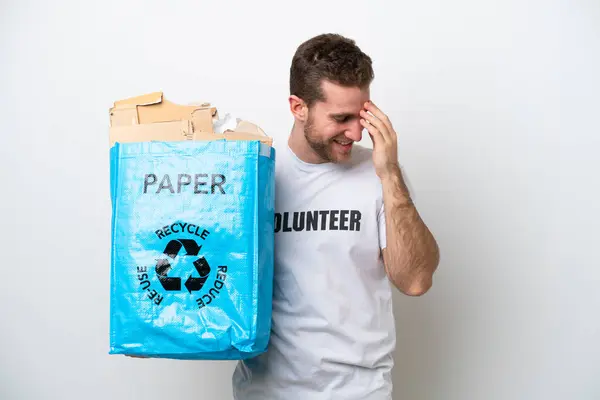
column 354, row 132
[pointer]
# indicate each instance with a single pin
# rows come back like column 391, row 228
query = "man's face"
column 333, row 125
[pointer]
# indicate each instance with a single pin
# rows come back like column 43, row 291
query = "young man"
column 345, row 228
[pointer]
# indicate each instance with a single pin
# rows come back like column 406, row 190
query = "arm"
column 411, row 255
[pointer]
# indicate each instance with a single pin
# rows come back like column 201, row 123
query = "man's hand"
column 383, row 135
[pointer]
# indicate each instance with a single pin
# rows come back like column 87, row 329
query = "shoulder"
column 361, row 169
column 361, row 163
column 362, row 155
column 362, row 160
column 278, row 147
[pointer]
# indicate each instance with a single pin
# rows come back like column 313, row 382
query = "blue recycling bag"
column 192, row 248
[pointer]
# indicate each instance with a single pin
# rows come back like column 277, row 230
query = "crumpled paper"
column 227, row 123
column 230, row 123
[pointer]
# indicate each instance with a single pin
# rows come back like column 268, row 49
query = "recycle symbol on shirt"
column 171, row 252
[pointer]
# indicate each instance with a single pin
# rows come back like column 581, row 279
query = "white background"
column 496, row 105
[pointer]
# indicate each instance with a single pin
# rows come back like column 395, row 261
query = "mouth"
column 344, row 144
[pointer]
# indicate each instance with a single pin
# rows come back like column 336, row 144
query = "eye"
column 341, row 118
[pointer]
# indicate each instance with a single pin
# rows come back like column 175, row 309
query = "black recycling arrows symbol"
column 172, row 251
column 173, row 247
column 195, row 284
column 162, row 269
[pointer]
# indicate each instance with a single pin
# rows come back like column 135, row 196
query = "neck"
column 300, row 147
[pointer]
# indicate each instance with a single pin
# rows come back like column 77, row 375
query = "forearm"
column 411, row 255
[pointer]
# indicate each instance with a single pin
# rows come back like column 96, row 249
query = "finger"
column 375, row 134
column 370, row 106
column 373, row 120
column 372, row 140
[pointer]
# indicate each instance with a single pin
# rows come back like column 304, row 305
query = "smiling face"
column 333, row 124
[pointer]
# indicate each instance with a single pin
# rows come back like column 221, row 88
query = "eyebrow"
column 342, row 115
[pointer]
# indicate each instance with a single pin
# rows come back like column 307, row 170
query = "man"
column 336, row 249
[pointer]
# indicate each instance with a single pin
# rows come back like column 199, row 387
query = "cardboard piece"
column 151, row 117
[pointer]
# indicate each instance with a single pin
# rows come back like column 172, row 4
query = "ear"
column 298, row 108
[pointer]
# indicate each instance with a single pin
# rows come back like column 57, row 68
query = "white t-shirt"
column 332, row 324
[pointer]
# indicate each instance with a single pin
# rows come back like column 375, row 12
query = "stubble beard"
column 320, row 147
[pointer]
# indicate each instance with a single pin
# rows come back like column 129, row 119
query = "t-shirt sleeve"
column 381, row 226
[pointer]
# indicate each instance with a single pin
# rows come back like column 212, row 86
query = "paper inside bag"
column 151, row 117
